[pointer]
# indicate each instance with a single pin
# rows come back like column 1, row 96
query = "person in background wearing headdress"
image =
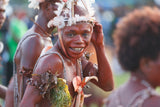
column 62, row 72
column 137, row 41
column 3, row 4
column 29, row 49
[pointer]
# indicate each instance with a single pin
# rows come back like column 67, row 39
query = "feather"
column 67, row 7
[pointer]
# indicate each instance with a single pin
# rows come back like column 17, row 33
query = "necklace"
column 46, row 34
column 80, row 65
column 139, row 97
column 142, row 82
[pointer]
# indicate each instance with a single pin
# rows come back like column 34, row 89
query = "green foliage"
column 120, row 79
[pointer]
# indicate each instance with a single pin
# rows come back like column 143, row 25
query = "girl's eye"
column 85, row 34
column 70, row 35
column 2, row 10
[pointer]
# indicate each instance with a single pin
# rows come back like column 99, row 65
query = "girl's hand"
column 97, row 35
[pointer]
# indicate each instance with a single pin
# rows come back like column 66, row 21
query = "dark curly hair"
column 138, row 36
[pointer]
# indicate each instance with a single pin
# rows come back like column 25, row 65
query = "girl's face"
column 76, row 38
column 153, row 72
column 50, row 7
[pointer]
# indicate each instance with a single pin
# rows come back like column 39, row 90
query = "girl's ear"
column 144, row 65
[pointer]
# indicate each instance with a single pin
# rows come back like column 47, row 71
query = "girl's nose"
column 2, row 16
column 79, row 39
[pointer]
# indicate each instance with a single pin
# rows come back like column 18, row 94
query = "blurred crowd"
column 16, row 24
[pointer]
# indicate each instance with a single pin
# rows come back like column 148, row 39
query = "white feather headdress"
column 67, row 6
column 3, row 3
column 35, row 3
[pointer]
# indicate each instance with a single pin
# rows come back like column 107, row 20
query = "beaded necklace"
column 139, row 97
column 142, row 95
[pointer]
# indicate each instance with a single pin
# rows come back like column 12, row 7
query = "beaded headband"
column 69, row 18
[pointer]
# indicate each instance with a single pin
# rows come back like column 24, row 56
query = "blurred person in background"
column 5, row 53
column 17, row 28
column 3, row 4
column 137, row 41
column 3, row 29
column 27, row 51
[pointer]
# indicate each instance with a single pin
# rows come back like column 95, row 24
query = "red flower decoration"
column 78, row 85
column 77, row 82
column 64, row 0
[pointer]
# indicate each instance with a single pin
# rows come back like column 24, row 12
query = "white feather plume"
column 60, row 7
column 34, row 3
column 4, row 3
column 59, row 21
